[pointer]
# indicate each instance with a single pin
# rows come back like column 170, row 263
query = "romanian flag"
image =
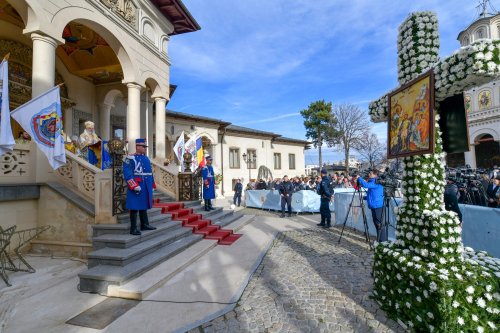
column 200, row 156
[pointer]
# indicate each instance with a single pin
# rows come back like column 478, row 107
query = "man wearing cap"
column 138, row 174
column 326, row 195
column 208, row 183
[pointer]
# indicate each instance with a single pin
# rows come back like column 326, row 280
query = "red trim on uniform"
column 154, row 185
column 132, row 184
column 138, row 179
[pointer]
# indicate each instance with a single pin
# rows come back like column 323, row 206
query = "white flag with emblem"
column 179, row 149
column 190, row 147
column 6, row 138
column 41, row 118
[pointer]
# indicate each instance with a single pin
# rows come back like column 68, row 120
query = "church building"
column 112, row 58
column 482, row 104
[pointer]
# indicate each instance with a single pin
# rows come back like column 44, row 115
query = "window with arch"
column 164, row 45
column 148, row 31
column 468, row 103
column 484, row 99
column 480, row 33
column 465, row 40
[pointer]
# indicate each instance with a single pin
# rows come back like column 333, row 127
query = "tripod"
column 359, row 194
column 388, row 194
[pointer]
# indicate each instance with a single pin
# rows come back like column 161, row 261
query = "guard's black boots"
column 207, row 207
column 328, row 225
column 322, row 224
column 133, row 229
column 147, row 226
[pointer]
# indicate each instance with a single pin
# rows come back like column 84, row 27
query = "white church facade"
column 482, row 104
column 112, row 56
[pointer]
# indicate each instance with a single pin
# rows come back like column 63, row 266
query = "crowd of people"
column 337, row 180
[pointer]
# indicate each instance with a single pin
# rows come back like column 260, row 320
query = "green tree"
column 318, row 122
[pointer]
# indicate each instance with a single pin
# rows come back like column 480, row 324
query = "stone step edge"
column 136, row 250
column 141, row 287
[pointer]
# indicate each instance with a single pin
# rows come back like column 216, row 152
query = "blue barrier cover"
column 480, row 230
column 481, row 225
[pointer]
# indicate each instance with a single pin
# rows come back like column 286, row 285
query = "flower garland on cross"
column 426, row 279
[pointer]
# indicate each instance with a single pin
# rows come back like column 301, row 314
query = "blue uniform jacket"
column 324, row 188
column 208, row 182
column 137, row 171
column 375, row 196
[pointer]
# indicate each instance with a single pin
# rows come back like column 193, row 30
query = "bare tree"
column 352, row 124
column 371, row 150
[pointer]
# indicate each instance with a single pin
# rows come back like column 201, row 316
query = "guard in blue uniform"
column 138, row 174
column 208, row 183
column 324, row 190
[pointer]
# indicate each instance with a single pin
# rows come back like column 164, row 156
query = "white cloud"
column 265, row 120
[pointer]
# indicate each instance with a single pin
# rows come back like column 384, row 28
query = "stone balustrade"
column 18, row 166
column 91, row 182
column 166, row 179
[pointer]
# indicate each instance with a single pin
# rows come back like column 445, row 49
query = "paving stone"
column 308, row 282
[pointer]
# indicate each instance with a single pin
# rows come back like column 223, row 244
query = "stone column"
column 133, row 115
column 68, row 121
column 160, row 103
column 470, row 156
column 44, row 57
column 105, row 120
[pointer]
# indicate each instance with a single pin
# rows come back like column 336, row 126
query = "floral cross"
column 426, row 279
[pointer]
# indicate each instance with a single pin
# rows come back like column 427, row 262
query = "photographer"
column 375, row 200
column 451, row 194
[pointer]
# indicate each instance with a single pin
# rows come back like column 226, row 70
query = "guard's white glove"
column 138, row 189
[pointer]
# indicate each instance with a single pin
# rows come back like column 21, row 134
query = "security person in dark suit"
column 286, row 191
column 324, row 190
column 238, row 188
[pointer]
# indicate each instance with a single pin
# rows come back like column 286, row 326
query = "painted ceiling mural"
column 85, row 53
column 88, row 55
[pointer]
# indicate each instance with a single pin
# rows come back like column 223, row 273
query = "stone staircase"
column 119, row 257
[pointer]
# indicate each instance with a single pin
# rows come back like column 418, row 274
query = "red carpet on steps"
column 196, row 222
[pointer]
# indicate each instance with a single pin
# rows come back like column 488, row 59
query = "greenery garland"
column 426, row 279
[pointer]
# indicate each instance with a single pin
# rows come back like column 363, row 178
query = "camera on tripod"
column 391, row 181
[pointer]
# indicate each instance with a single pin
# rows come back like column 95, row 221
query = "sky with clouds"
column 257, row 63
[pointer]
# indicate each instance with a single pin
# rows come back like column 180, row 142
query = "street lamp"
column 249, row 159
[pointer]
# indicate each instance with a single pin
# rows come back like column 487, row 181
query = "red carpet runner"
column 196, row 222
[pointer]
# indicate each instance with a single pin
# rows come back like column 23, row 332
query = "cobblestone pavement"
column 308, row 282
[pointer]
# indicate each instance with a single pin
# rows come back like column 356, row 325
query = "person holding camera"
column 451, row 195
column 375, row 200
column 286, row 191
column 325, row 193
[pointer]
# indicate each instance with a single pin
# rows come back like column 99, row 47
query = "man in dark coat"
column 286, row 191
column 493, row 193
column 325, row 192
column 451, row 198
column 208, row 183
column 138, row 174
column 238, row 188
